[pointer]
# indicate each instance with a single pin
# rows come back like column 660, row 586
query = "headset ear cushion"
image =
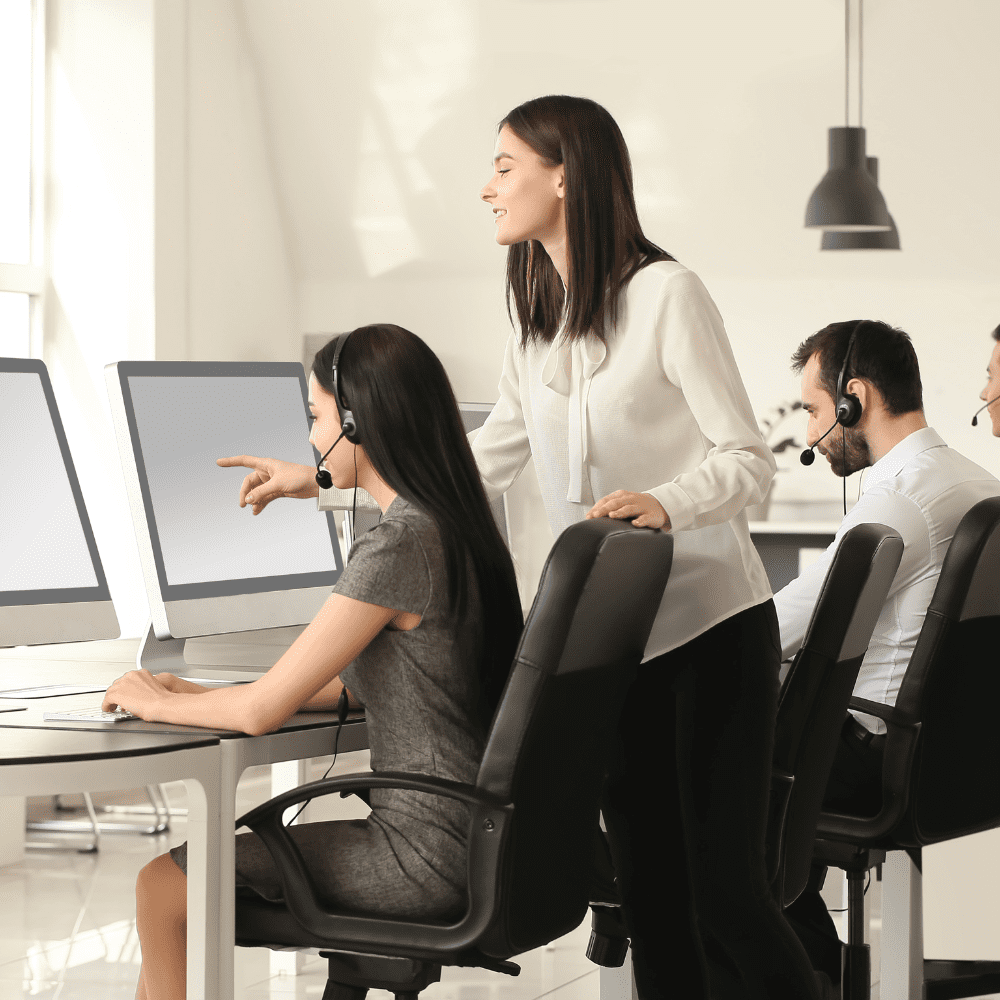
column 848, row 410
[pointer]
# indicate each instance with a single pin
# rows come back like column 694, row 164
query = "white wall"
column 99, row 302
column 382, row 116
column 250, row 170
column 165, row 237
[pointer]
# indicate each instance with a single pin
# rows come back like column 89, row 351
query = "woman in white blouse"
column 620, row 384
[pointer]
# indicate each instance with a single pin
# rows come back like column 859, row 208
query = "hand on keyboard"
column 87, row 715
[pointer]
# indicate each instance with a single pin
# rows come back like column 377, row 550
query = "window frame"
column 31, row 278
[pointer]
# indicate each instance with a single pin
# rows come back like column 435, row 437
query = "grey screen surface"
column 43, row 544
column 184, row 424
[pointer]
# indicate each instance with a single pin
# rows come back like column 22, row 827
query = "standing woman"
column 620, row 384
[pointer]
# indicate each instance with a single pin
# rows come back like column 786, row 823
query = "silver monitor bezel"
column 64, row 614
column 185, row 610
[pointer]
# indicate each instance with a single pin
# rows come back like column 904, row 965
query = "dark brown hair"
column 882, row 355
column 996, row 333
column 412, row 432
column 605, row 241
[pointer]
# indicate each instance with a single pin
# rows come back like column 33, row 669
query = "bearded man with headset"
column 861, row 388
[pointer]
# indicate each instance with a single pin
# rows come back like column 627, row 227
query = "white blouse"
column 661, row 410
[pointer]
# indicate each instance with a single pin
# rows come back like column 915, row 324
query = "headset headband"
column 849, row 407
column 348, row 423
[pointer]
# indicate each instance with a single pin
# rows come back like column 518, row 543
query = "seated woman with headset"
column 422, row 624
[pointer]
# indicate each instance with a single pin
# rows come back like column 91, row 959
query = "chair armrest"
column 369, row 779
column 889, row 714
column 489, row 814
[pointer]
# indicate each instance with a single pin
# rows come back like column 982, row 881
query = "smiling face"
column 992, row 390
column 846, row 449
column 325, row 430
column 526, row 193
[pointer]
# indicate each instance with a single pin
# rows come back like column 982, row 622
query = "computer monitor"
column 210, row 566
column 473, row 416
column 52, row 583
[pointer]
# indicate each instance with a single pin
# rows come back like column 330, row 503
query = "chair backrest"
column 952, row 688
column 547, row 750
column 813, row 702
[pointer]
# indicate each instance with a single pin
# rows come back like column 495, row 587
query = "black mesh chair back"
column 814, row 698
column 535, row 803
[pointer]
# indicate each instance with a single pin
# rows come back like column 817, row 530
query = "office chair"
column 941, row 770
column 813, row 701
column 536, row 798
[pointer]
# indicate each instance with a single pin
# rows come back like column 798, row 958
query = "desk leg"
column 618, row 984
column 232, row 767
column 902, row 942
column 203, row 889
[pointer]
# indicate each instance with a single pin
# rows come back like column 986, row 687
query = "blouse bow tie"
column 568, row 370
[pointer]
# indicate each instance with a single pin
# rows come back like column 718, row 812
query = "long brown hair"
column 412, row 432
column 605, row 241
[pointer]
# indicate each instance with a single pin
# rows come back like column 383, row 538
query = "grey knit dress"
column 408, row 857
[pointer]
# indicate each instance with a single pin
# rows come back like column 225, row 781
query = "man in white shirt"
column 915, row 484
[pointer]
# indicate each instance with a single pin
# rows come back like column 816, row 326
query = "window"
column 21, row 100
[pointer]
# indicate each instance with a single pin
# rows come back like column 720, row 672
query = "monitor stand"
column 219, row 659
column 160, row 656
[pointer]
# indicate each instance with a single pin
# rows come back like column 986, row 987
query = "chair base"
column 608, row 937
column 350, row 977
column 945, row 980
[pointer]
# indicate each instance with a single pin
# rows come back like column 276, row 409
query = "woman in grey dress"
column 422, row 626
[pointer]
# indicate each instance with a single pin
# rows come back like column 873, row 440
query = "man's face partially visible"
column 846, row 449
column 992, row 389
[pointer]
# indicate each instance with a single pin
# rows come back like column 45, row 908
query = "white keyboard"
column 87, row 715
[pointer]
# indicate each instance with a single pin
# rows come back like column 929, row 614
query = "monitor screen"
column 47, row 550
column 182, row 416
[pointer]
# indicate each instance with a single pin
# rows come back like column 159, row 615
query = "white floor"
column 67, row 923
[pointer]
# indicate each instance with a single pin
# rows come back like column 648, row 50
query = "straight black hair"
column 883, row 355
column 606, row 245
column 996, row 333
column 412, row 433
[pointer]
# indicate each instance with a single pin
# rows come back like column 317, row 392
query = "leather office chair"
column 813, row 701
column 941, row 765
column 814, row 698
column 536, row 798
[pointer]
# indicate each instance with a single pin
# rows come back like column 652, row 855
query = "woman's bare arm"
column 327, row 699
column 334, row 638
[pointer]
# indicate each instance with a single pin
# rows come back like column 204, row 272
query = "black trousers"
column 686, row 810
column 855, row 786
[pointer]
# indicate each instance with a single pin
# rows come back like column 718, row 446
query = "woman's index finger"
column 247, row 461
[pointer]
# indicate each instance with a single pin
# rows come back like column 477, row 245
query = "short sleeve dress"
column 419, row 689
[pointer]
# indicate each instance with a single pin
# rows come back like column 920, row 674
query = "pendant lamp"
column 881, row 240
column 847, row 199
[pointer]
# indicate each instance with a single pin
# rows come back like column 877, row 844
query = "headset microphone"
column 323, row 478
column 809, row 455
column 975, row 419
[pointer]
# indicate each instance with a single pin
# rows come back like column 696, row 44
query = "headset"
column 848, row 409
column 348, row 423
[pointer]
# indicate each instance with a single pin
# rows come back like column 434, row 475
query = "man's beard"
column 857, row 453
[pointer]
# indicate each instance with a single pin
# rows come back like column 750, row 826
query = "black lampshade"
column 880, row 240
column 847, row 199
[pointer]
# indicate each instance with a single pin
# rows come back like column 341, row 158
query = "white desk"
column 308, row 734
column 43, row 762
column 780, row 542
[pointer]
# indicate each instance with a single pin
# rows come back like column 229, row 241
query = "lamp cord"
column 861, row 60
column 847, row 63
